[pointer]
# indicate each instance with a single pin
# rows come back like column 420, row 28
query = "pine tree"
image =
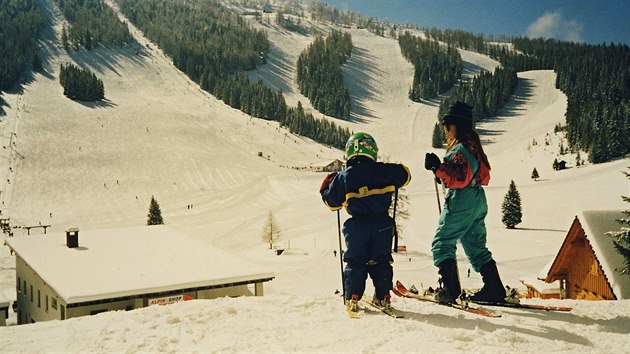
column 555, row 164
column 511, row 207
column 535, row 175
column 155, row 214
column 88, row 40
column 271, row 232
column 622, row 237
column 578, row 160
column 438, row 136
column 64, row 38
column 37, row 61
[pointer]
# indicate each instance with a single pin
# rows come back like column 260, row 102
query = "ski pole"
column 437, row 195
column 343, row 284
column 395, row 232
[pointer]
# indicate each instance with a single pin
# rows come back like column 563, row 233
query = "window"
column 54, row 303
column 46, row 303
column 31, row 293
column 96, row 312
column 39, row 299
column 24, row 287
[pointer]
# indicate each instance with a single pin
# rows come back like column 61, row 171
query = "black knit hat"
column 460, row 115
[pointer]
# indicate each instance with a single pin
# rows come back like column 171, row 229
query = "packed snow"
column 96, row 166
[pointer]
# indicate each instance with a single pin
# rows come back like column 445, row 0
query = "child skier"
column 365, row 188
column 464, row 171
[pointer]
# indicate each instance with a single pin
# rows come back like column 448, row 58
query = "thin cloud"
column 553, row 25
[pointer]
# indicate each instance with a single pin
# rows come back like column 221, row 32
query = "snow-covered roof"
column 129, row 261
column 545, row 270
column 541, row 286
column 596, row 223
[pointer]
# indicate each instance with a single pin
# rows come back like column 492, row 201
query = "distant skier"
column 365, row 188
column 464, row 171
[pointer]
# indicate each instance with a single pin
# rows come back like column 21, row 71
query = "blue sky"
column 593, row 22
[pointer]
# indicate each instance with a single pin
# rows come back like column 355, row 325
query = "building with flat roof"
column 62, row 276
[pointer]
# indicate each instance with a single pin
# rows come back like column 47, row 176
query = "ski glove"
column 431, row 162
column 328, row 180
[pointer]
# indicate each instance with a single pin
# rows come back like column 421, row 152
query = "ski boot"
column 385, row 303
column 352, row 304
column 492, row 290
column 451, row 290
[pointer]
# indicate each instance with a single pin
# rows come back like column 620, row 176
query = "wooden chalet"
column 328, row 166
column 586, row 263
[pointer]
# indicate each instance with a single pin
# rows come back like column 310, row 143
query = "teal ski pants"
column 463, row 219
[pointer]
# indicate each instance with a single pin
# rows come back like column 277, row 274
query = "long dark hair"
column 471, row 141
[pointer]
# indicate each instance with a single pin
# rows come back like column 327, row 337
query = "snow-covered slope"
column 96, row 166
column 311, row 324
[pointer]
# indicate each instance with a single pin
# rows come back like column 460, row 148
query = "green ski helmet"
column 361, row 144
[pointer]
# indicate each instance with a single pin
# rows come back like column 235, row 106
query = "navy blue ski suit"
column 365, row 188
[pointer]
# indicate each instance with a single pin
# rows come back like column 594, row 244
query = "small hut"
column 328, row 166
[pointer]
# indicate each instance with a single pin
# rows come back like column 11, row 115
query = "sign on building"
column 169, row 299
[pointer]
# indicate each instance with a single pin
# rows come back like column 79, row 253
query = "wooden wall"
column 585, row 278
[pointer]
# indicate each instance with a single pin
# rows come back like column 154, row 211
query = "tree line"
column 289, row 24
column 20, row 24
column 256, row 99
column 204, row 39
column 80, row 84
column 596, row 80
column 322, row 130
column 319, row 75
column 92, row 23
column 214, row 46
column 326, row 13
column 487, row 93
column 436, row 68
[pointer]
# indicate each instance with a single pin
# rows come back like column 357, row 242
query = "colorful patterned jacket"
column 462, row 168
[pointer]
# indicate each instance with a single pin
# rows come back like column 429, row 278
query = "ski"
column 524, row 306
column 353, row 314
column 392, row 312
column 402, row 291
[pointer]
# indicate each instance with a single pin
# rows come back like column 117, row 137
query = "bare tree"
column 271, row 232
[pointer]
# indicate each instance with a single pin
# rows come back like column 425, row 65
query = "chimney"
column 72, row 237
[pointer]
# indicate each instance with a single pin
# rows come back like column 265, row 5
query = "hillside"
column 93, row 166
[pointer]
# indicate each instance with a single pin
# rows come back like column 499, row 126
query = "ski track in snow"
column 97, row 165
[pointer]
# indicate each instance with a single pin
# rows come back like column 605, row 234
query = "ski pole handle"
column 437, row 195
